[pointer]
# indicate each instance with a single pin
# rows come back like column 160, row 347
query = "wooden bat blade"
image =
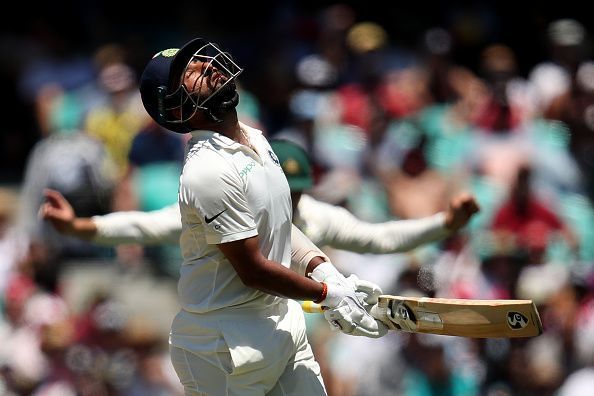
column 459, row 317
column 454, row 317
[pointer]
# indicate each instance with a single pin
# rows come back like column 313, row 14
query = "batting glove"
column 368, row 292
column 327, row 273
column 346, row 313
column 345, row 310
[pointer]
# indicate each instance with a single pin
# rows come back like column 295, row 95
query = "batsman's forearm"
column 274, row 278
column 305, row 256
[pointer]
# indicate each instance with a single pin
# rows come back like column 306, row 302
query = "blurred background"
column 399, row 105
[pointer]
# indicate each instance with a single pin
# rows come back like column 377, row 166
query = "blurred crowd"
column 392, row 134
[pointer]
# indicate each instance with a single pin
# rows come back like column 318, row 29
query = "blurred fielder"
column 323, row 223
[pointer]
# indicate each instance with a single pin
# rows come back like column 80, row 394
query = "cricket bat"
column 454, row 317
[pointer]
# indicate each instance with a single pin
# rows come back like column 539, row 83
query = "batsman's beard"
column 222, row 102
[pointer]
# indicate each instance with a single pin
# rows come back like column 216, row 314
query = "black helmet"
column 162, row 90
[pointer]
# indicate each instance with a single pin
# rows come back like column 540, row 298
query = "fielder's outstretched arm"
column 147, row 228
column 336, row 227
column 162, row 226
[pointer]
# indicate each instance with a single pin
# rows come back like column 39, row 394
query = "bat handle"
column 311, row 307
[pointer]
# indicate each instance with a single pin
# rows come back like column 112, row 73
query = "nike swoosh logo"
column 210, row 219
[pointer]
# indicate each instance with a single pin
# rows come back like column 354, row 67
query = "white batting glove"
column 345, row 308
column 368, row 292
column 327, row 273
column 346, row 313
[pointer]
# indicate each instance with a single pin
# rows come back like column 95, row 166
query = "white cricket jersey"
column 229, row 192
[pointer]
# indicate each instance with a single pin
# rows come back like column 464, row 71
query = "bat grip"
column 311, row 307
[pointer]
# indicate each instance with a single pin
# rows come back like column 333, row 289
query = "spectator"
column 121, row 117
column 528, row 223
column 567, row 45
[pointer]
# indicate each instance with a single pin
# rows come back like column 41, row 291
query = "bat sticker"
column 516, row 320
column 402, row 316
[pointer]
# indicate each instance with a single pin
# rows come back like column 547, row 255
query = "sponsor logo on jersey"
column 247, row 169
column 274, row 157
column 210, row 219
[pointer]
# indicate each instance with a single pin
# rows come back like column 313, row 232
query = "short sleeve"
column 217, row 193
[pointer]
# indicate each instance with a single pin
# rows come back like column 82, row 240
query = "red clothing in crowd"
column 532, row 226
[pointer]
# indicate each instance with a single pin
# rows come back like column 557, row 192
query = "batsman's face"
column 202, row 79
column 206, row 84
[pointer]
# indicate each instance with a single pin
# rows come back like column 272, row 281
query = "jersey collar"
column 223, row 141
column 218, row 138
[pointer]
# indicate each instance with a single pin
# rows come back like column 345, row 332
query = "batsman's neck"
column 229, row 126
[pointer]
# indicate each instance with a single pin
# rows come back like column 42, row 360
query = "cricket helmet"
column 162, row 89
